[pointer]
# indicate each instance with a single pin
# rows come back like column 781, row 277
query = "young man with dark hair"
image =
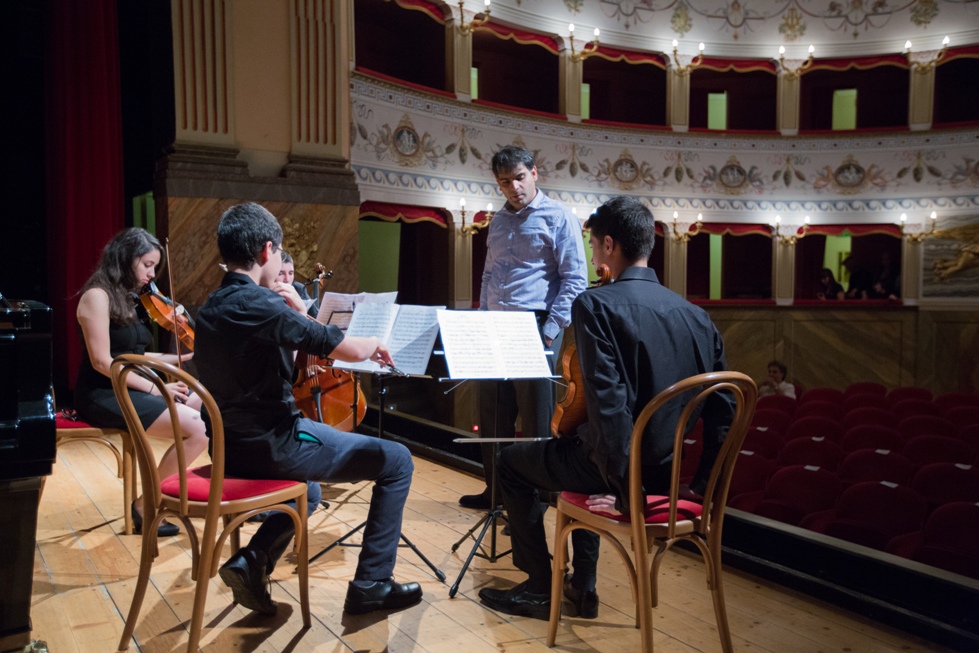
column 248, row 332
column 634, row 338
column 535, row 261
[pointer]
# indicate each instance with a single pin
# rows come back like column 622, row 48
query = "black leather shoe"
column 381, row 595
column 165, row 529
column 479, row 501
column 585, row 602
column 518, row 601
column 245, row 573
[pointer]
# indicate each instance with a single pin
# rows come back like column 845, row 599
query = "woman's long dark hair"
column 114, row 273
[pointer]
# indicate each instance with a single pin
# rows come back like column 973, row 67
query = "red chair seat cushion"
column 61, row 422
column 199, row 485
column 657, row 508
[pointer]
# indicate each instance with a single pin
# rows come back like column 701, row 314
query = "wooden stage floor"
column 85, row 571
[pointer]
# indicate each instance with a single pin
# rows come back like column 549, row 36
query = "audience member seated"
column 775, row 383
column 861, row 279
column 887, row 283
column 828, row 287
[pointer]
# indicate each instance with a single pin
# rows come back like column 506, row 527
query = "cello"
column 571, row 412
column 324, row 393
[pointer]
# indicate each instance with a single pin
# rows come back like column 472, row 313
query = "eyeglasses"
column 276, row 248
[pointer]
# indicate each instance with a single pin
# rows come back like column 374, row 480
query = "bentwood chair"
column 70, row 430
column 662, row 521
column 223, row 502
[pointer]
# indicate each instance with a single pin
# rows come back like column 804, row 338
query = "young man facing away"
column 634, row 338
column 248, row 332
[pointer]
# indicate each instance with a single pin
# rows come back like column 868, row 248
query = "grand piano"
column 27, row 452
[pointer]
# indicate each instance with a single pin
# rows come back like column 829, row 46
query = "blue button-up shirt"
column 535, row 261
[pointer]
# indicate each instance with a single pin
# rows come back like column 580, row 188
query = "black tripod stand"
column 342, row 541
column 487, row 521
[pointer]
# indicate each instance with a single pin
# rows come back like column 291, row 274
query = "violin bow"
column 173, row 299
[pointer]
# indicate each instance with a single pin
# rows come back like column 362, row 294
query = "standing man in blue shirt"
column 535, row 261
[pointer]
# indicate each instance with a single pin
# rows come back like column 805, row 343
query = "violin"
column 571, row 412
column 168, row 315
column 324, row 393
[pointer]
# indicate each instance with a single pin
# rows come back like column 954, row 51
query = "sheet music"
column 409, row 331
column 337, row 307
column 492, row 345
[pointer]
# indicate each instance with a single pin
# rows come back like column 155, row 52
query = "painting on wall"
column 950, row 259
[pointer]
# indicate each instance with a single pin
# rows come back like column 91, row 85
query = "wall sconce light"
column 478, row 20
column 475, row 227
column 792, row 238
column 794, row 72
column 590, row 48
column 925, row 65
column 682, row 69
column 687, row 235
column 919, row 236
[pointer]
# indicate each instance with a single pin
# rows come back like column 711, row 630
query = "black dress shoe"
column 165, row 529
column 381, row 595
column 479, row 501
column 585, row 602
column 518, row 601
column 245, row 573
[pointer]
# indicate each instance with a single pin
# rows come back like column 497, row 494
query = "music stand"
column 342, row 541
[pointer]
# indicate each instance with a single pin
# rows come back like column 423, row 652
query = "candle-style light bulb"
column 934, row 215
column 781, row 50
column 597, row 32
column 489, row 207
column 778, row 219
column 701, row 47
column 907, row 46
column 904, row 217
column 571, row 28
column 700, row 217
column 807, row 219
column 675, row 43
column 462, row 202
column 675, row 215
column 945, row 42
column 812, row 49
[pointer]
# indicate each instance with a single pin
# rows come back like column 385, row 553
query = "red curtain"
column 405, row 213
column 83, row 141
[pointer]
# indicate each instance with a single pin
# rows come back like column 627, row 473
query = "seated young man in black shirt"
column 248, row 332
column 634, row 338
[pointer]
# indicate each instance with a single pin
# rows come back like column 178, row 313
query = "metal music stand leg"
column 488, row 522
column 382, row 391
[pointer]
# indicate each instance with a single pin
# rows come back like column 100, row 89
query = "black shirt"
column 245, row 336
column 636, row 338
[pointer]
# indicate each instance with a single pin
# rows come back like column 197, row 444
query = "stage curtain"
column 404, row 212
column 83, row 143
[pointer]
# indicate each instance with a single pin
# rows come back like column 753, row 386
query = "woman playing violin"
column 111, row 324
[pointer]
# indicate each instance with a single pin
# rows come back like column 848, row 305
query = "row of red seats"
column 917, row 424
column 882, row 515
column 828, row 448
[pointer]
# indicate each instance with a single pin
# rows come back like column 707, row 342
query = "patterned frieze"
column 428, row 149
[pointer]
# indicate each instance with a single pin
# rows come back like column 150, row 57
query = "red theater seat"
column 949, row 540
column 815, row 427
column 914, row 407
column 791, row 494
column 909, row 392
column 831, row 395
column 926, row 449
column 865, row 388
column 772, row 419
column 875, row 465
column 950, row 400
column 817, row 408
column 963, row 415
column 852, row 402
column 878, row 416
column 777, row 402
column 871, row 436
column 872, row 514
column 765, row 443
column 751, row 473
column 942, row 483
column 819, row 452
column 969, row 435
column 912, row 427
